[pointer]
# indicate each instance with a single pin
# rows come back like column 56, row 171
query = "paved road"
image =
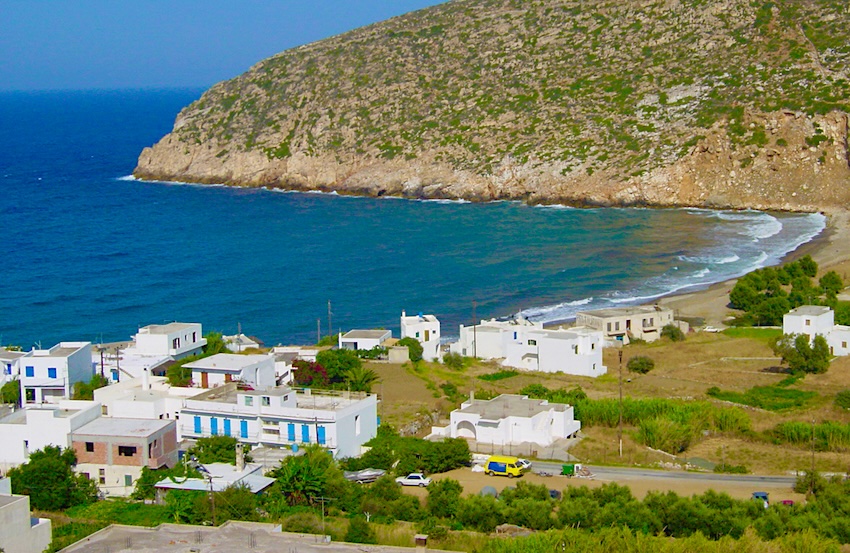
column 625, row 474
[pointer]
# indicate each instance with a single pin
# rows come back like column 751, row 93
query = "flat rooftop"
column 325, row 401
column 7, row 355
column 365, row 334
column 227, row 362
column 9, row 499
column 122, row 428
column 509, row 405
column 166, row 328
column 624, row 311
column 230, row 536
column 810, row 310
column 19, row 416
column 57, row 351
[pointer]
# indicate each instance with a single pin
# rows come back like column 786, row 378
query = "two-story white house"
column 426, row 330
column 48, row 375
column 177, row 340
column 258, row 371
column 643, row 322
column 340, row 421
column 34, row 427
column 10, row 365
column 812, row 320
column 523, row 344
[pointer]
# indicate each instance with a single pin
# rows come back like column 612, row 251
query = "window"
column 194, row 337
column 617, row 325
column 214, row 426
column 575, row 349
column 104, row 410
column 417, row 335
column 86, row 475
column 126, row 451
column 532, row 342
column 243, row 429
column 197, row 425
column 356, row 425
column 267, row 401
column 8, row 368
column 175, row 343
column 320, row 435
column 249, row 401
column 227, row 427
column 305, row 433
column 128, row 480
column 30, row 372
column 594, row 366
column 51, row 372
column 101, row 476
column 290, row 432
column 609, row 327
column 843, row 344
column 514, row 335
column 808, row 323
column 90, row 447
column 592, row 346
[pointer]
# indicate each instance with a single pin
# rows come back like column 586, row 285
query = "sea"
column 89, row 253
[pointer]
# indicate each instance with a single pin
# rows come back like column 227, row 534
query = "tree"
column 744, row 296
column 337, row 362
column 11, row 392
column 215, row 344
column 49, row 480
column 304, row 478
column 808, row 266
column 673, row 332
column 770, row 311
column 444, row 497
column 216, row 449
column 640, row 364
column 360, row 379
column 414, row 348
column 309, row 373
column 454, row 361
column 359, row 531
column 145, row 484
column 85, row 390
column 831, row 283
column 801, row 355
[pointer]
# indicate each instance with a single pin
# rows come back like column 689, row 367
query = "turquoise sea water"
column 91, row 254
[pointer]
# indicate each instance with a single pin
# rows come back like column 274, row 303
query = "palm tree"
column 360, row 379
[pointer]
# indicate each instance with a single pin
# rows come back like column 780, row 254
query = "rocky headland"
column 730, row 104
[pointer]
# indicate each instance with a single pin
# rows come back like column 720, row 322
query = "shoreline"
column 830, row 249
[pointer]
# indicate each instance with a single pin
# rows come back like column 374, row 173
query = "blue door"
column 320, row 434
column 227, row 427
column 305, row 433
column 197, row 425
column 243, row 429
column 214, row 426
column 290, row 432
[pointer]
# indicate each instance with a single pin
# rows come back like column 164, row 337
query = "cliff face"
column 626, row 102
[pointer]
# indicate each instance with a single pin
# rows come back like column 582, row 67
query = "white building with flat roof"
column 511, row 420
column 34, row 427
column 523, row 344
column 426, row 330
column 177, row 340
column 10, row 365
column 48, row 375
column 222, row 476
column 364, row 339
column 813, row 320
column 222, row 368
column 643, row 322
column 20, row 532
column 339, row 421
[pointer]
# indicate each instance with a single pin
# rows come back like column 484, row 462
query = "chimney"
column 146, row 381
column 240, row 457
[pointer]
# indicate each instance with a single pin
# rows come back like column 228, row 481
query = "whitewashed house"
column 237, row 343
column 222, row 476
column 255, row 370
column 20, row 532
column 511, row 420
column 426, row 330
column 364, row 339
column 643, row 322
column 285, row 356
column 177, row 340
column 34, row 427
column 48, row 375
column 812, row 320
column 523, row 344
column 340, row 421
column 10, row 363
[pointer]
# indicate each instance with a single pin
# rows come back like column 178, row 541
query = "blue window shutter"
column 320, row 435
column 305, row 433
column 243, row 429
column 197, row 425
column 227, row 427
column 51, row 372
column 290, row 432
column 214, row 426
column 30, row 372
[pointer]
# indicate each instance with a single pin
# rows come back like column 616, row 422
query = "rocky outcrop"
column 482, row 100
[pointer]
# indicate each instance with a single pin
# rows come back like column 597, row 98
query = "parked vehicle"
column 524, row 464
column 365, row 476
column 503, row 466
column 413, row 479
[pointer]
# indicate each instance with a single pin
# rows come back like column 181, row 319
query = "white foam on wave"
column 127, row 178
column 709, row 260
column 553, row 206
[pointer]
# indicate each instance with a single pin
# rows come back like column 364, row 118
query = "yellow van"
column 502, row 466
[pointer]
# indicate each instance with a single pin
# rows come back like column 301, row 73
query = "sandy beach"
column 831, row 251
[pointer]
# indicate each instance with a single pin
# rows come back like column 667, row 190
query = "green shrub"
column 414, row 348
column 771, row 398
column 725, row 468
column 673, row 332
column 500, row 375
column 454, row 361
column 842, row 399
column 640, row 364
column 359, row 531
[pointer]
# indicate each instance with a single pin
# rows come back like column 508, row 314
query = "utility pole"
column 318, row 330
column 620, row 422
column 322, row 500
column 812, row 473
column 474, row 332
column 330, row 326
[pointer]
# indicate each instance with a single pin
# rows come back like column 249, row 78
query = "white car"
column 413, row 479
column 524, row 465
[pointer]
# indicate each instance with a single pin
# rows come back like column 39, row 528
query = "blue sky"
column 80, row 44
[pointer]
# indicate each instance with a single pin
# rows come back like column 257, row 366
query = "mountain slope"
column 690, row 102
